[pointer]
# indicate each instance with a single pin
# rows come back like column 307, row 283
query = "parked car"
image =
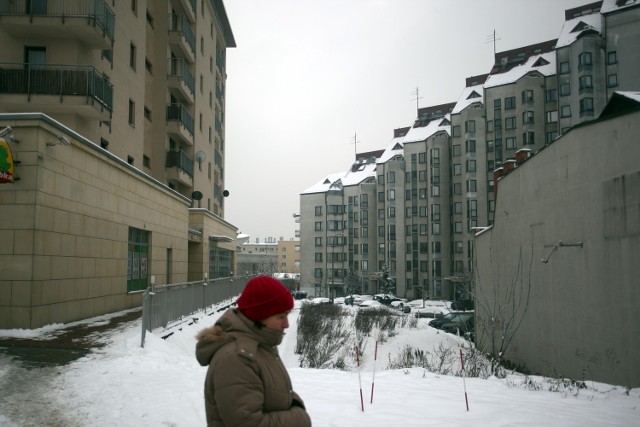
column 437, row 323
column 387, row 299
column 401, row 304
column 339, row 300
column 370, row 304
column 299, row 294
column 463, row 304
column 432, row 308
column 321, row 300
column 462, row 325
column 358, row 299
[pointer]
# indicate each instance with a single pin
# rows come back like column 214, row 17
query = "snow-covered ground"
column 123, row 384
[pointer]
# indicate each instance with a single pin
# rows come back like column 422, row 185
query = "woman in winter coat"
column 247, row 384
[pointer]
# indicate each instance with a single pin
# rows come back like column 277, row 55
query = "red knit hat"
column 263, row 297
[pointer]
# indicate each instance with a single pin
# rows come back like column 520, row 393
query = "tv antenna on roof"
column 417, row 98
column 355, row 145
column 492, row 38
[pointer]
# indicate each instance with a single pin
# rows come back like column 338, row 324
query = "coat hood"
column 233, row 326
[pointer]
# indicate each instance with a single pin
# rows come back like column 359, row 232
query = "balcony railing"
column 178, row 67
column 59, row 80
column 180, row 24
column 179, row 159
column 178, row 113
column 96, row 10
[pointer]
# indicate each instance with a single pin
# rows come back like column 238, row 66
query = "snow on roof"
column 348, row 178
column 631, row 95
column 421, row 133
column 612, row 6
column 544, row 63
column 394, row 148
column 572, row 28
column 470, row 95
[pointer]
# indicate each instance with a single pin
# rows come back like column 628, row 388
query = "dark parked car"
column 463, row 305
column 438, row 322
column 461, row 325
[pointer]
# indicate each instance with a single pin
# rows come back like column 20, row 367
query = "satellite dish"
column 196, row 195
column 225, row 193
column 201, row 156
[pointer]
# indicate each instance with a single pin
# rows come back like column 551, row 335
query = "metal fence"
column 169, row 305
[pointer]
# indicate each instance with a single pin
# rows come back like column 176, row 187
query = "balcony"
column 90, row 22
column 179, row 167
column 180, row 124
column 188, row 7
column 181, row 81
column 68, row 89
column 181, row 37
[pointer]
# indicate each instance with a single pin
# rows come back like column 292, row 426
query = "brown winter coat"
column 247, row 384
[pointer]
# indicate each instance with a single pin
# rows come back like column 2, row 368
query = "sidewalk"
column 64, row 345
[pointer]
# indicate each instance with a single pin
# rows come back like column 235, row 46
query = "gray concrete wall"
column 578, row 310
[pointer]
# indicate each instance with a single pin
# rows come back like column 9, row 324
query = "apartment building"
column 417, row 207
column 119, row 110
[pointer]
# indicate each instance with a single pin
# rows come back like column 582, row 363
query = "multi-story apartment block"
column 137, row 90
column 289, row 256
column 447, row 163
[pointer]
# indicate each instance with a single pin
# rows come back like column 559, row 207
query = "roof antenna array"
column 416, row 93
column 492, row 38
column 355, row 145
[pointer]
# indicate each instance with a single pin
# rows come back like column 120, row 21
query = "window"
column 612, row 58
column 364, row 232
column 457, row 169
column 391, row 177
column 491, row 165
column 392, row 212
column 551, row 136
column 457, row 188
column 586, row 106
column 381, row 248
column 134, row 6
column 497, row 103
column 422, row 157
column 435, row 191
column 510, row 103
column 457, row 208
column 527, row 96
column 381, row 179
column 457, row 227
column 380, row 196
column 435, row 212
column 318, row 225
column 132, row 56
column 564, row 68
column 565, row 89
column 317, row 272
column 318, row 210
column 612, row 80
column 132, row 113
column 490, row 146
column 528, row 138
column 456, row 131
column 510, row 123
column 365, row 265
column 422, row 176
column 435, row 228
column 565, row 111
column 318, row 257
column 148, row 66
column 551, row 95
column 552, row 116
column 457, row 150
column 471, row 166
column 510, row 143
column 586, row 82
column 380, row 213
column 470, row 146
column 423, row 229
column 364, row 200
column 470, row 126
column 391, row 194
column 138, row 257
column 472, row 186
column 527, row 118
column 584, row 59
column 318, row 241
column 147, row 113
column 146, row 161
column 435, row 157
column 489, row 125
column 424, row 247
column 422, row 211
column 422, row 193
column 472, row 208
column 459, row 247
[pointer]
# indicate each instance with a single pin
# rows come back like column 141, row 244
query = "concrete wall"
column 64, row 227
column 578, row 308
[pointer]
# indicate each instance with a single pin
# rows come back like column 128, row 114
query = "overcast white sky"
column 307, row 75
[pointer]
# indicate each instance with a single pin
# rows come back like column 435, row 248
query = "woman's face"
column 279, row 322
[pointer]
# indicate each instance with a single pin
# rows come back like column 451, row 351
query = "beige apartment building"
column 269, row 257
column 116, row 112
